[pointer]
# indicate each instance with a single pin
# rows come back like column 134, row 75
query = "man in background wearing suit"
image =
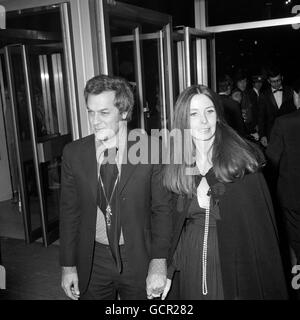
column 241, row 84
column 283, row 153
column 277, row 100
column 254, row 93
column 231, row 108
column 115, row 220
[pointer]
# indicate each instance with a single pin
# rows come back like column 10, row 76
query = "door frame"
column 183, row 37
column 48, row 230
column 201, row 23
column 7, row 187
column 103, row 8
column 78, row 44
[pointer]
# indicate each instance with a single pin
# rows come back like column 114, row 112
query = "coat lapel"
column 272, row 98
column 285, row 96
column 90, row 164
column 127, row 168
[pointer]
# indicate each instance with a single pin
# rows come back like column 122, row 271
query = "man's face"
column 257, row 85
column 242, row 84
column 275, row 82
column 104, row 117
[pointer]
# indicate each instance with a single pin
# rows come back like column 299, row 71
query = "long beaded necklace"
column 108, row 211
column 204, row 250
column 204, row 253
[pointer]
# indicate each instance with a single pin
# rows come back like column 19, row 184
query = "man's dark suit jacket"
column 283, row 154
column 268, row 110
column 233, row 114
column 143, row 205
column 254, row 103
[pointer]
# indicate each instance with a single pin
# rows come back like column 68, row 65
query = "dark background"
column 251, row 50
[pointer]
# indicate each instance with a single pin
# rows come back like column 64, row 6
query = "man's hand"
column 167, row 289
column 157, row 278
column 264, row 141
column 255, row 136
column 69, row 282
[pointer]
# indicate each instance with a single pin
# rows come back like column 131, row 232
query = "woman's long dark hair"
column 232, row 156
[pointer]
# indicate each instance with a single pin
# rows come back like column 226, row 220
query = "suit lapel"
column 285, row 95
column 127, row 168
column 272, row 98
column 90, row 164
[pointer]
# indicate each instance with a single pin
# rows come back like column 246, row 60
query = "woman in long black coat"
column 225, row 242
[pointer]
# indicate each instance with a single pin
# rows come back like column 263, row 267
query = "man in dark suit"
column 274, row 102
column 231, row 108
column 254, row 93
column 115, row 221
column 241, row 84
column 283, row 153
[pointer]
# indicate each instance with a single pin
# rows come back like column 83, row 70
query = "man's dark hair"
column 273, row 72
column 224, row 83
column 124, row 99
column 239, row 75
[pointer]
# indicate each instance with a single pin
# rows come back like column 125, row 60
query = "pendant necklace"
column 108, row 211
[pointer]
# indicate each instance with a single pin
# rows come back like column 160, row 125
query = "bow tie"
column 277, row 90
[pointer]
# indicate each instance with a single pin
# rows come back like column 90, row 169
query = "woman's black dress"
column 188, row 256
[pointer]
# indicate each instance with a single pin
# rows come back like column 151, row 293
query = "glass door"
column 36, row 91
column 141, row 60
column 191, row 64
column 36, row 84
column 138, row 48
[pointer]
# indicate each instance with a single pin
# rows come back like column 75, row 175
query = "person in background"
column 275, row 101
column 283, row 154
column 254, row 93
column 115, row 221
column 241, row 83
column 237, row 95
column 232, row 110
column 224, row 242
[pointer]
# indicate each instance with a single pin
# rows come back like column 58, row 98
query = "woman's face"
column 203, row 118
